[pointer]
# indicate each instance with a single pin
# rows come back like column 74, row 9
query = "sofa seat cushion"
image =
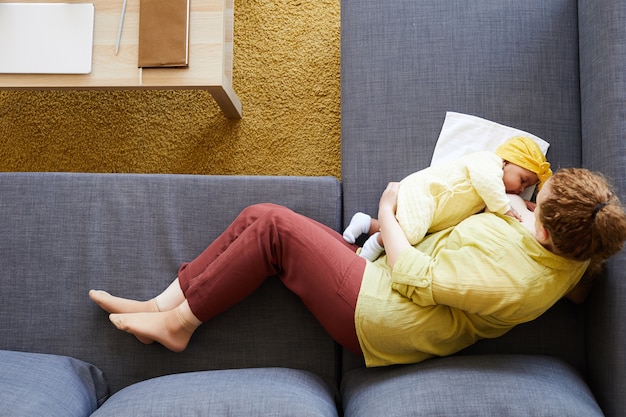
column 485, row 385
column 35, row 384
column 251, row 392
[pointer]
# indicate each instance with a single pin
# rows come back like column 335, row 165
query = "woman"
column 476, row 280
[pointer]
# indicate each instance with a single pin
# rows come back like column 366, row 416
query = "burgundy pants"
column 311, row 259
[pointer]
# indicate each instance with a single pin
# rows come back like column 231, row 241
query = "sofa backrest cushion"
column 63, row 234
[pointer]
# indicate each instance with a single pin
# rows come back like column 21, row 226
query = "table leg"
column 227, row 99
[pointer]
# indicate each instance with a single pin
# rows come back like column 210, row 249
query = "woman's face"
column 541, row 196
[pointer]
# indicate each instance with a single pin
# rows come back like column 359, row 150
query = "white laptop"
column 46, row 38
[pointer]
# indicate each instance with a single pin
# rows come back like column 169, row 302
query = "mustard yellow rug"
column 285, row 72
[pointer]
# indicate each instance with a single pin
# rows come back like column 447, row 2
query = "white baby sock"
column 371, row 248
column 359, row 224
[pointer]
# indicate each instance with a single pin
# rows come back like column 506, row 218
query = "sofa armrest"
column 603, row 98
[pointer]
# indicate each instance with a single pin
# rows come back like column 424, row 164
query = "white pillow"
column 462, row 134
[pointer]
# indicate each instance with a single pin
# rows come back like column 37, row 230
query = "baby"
column 439, row 197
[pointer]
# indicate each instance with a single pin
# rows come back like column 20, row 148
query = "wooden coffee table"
column 210, row 56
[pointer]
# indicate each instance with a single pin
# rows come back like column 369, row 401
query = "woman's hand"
column 389, row 199
column 392, row 234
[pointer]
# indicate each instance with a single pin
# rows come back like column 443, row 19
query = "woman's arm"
column 391, row 232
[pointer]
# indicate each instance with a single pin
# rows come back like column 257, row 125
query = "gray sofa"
column 552, row 68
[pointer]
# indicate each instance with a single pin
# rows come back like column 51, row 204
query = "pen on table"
column 119, row 31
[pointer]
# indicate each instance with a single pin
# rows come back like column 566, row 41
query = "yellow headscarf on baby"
column 526, row 153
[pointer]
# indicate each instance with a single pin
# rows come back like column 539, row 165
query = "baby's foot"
column 359, row 224
column 371, row 249
column 114, row 304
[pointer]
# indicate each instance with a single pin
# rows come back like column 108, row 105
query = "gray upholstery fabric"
column 34, row 384
column 405, row 63
column 228, row 393
column 603, row 90
column 480, row 386
column 63, row 234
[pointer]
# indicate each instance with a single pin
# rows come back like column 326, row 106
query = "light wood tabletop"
column 210, row 55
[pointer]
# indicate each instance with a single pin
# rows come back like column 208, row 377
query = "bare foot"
column 114, row 304
column 168, row 328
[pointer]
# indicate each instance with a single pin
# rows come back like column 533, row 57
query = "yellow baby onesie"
column 438, row 197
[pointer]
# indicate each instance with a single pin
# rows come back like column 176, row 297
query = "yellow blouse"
column 476, row 280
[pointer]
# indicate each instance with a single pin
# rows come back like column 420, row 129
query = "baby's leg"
column 359, row 224
column 167, row 300
column 372, row 248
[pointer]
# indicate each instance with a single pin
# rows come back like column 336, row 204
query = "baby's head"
column 524, row 164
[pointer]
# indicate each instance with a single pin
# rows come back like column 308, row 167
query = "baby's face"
column 517, row 179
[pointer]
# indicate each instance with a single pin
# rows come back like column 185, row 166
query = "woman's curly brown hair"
column 584, row 216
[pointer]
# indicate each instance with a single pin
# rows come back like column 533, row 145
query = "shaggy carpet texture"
column 285, row 72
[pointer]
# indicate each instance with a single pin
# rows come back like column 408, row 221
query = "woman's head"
column 582, row 214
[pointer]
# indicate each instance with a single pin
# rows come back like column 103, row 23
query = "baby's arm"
column 485, row 174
